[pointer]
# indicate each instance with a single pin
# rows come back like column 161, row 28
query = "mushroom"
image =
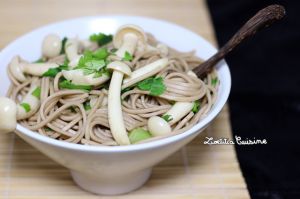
column 30, row 103
column 19, row 69
column 148, row 50
column 51, row 46
column 77, row 77
column 71, row 49
column 115, row 117
column 127, row 38
column 178, row 111
column 8, row 112
column 145, row 72
column 158, row 126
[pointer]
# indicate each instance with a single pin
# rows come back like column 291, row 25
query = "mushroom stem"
column 128, row 45
column 115, row 117
column 71, row 48
column 19, row 69
column 145, row 72
column 31, row 102
column 178, row 111
column 77, row 77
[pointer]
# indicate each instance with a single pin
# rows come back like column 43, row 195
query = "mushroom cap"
column 129, row 28
column 16, row 68
column 158, row 126
column 120, row 66
column 51, row 46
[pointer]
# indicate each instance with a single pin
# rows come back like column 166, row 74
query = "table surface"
column 197, row 170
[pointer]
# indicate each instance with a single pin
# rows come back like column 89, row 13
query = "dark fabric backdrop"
column 265, row 97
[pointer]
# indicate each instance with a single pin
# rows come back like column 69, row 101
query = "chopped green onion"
column 196, row 106
column 138, row 134
column 26, row 106
column 167, row 118
column 87, row 106
column 214, row 81
column 37, row 92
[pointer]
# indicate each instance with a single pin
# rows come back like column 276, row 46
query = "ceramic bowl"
column 118, row 169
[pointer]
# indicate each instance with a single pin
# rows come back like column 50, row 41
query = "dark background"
column 265, row 97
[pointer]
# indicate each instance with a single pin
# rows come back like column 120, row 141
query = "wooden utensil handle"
column 263, row 18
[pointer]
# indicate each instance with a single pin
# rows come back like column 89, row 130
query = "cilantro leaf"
column 26, row 106
column 196, row 106
column 69, row 85
column 168, row 118
column 87, row 106
column 127, row 56
column 101, row 53
column 214, row 81
column 63, row 44
column 52, row 72
column 154, row 85
column 101, row 38
column 37, row 92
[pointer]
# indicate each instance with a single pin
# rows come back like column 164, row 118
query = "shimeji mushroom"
column 127, row 38
column 8, row 113
column 149, row 50
column 115, row 117
column 71, row 49
column 31, row 102
column 51, row 46
column 158, row 126
column 145, row 72
column 180, row 109
column 77, row 77
column 19, row 68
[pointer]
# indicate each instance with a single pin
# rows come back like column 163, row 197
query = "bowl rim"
column 142, row 146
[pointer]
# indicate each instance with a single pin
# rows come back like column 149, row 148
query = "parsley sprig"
column 101, row 38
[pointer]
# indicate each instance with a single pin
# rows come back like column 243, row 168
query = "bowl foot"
column 101, row 185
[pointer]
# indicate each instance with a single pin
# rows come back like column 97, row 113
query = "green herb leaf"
column 138, row 134
column 168, row 118
column 63, row 44
column 214, row 81
column 68, row 85
column 47, row 128
column 52, row 72
column 154, row 85
column 101, row 38
column 37, row 92
column 113, row 50
column 101, row 53
column 196, row 106
column 127, row 89
column 87, row 105
column 127, row 56
column 26, row 106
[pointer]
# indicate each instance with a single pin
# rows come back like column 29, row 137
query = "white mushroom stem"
column 8, row 112
column 30, row 103
column 71, row 48
column 192, row 74
column 158, row 126
column 145, row 72
column 115, row 117
column 179, row 110
column 128, row 45
column 77, row 77
column 19, row 69
column 149, row 50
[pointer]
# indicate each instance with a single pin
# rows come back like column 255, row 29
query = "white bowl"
column 119, row 169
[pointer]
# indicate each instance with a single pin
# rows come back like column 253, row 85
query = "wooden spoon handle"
column 263, row 18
